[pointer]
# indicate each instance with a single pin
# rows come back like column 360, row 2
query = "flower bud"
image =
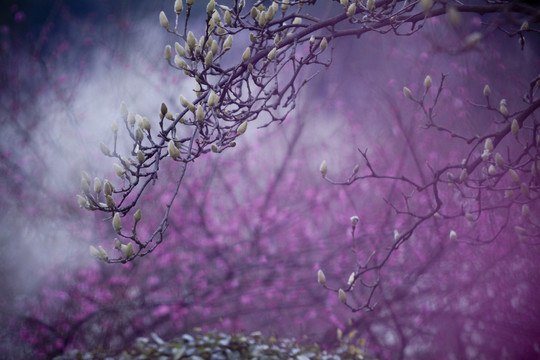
column 487, row 91
column 272, row 54
column 82, row 202
column 473, row 39
column 191, row 41
column 351, row 10
column 321, row 278
column 227, row 17
column 97, row 185
column 499, row 160
column 163, row 20
column 469, row 216
column 119, row 170
column 127, row 249
column 515, row 127
column 210, row 7
column 485, row 155
column 110, row 201
column 167, row 53
column 107, row 187
column 228, row 43
column 100, row 254
column 199, row 114
column 370, row 5
column 463, row 175
column 214, row 148
column 189, row 2
column 354, row 220
column 137, row 216
column 525, row 211
column 491, row 170
column 356, row 168
column 242, row 128
column 342, row 296
column 344, row 3
column 178, row 6
column 104, row 149
column 426, row 5
column 427, row 82
column 502, row 107
column 212, row 99
column 396, row 235
column 453, row 235
column 488, row 145
column 261, row 18
column 117, row 223
column 453, row 16
column 323, row 44
column 246, row 55
column 297, row 21
column 407, row 92
column 513, row 175
column 323, row 169
column 173, row 150
column 85, row 185
column 524, row 26
column 351, row 279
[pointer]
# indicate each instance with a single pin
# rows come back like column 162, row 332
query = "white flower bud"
column 515, row 127
column 513, row 175
column 109, row 201
column 502, row 107
column 297, row 21
column 525, row 190
column 407, row 92
column 117, row 223
column 463, row 175
column 342, row 296
column 214, row 148
column 178, row 6
column 200, row 114
column 344, row 3
column 104, row 149
column 488, row 145
column 81, row 200
column 321, row 278
column 491, row 170
column 227, row 17
column 453, row 235
column 426, row 5
column 485, row 155
column 261, row 18
column 228, row 43
column 246, row 55
column 137, row 216
column 85, row 185
column 351, row 10
column 351, row 279
column 119, row 170
column 107, row 187
column 396, row 235
column 191, row 41
column 473, row 39
column 427, row 82
column 214, row 47
column 167, row 53
column 525, row 211
column 524, row 26
column 323, row 44
column 370, row 5
column 173, row 150
column 499, row 160
column 208, row 60
column 210, row 7
column 323, row 169
column 272, row 54
column 127, row 249
column 242, row 128
column 354, row 220
column 212, row 99
column 100, row 254
column 163, row 20
column 487, row 91
column 97, row 185
column 285, row 5
column 180, row 51
column 453, row 16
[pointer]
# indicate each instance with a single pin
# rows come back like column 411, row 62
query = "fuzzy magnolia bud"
column 354, row 220
column 209, row 59
column 351, row 279
column 453, row 16
column 355, row 170
column 488, row 145
column 351, row 10
column 228, row 43
column 137, row 216
column 178, row 6
column 227, row 17
column 323, row 44
column 525, row 190
column 82, row 201
column 246, row 55
column 407, row 92
column 272, row 54
column 491, row 170
column 104, row 149
column 110, row 201
column 487, row 91
column 323, row 168
column 370, row 5
column 99, row 254
column 117, row 223
column 321, row 278
column 173, row 150
column 199, row 114
column 107, row 187
column 515, row 127
column 452, row 235
column 214, row 148
column 426, row 5
column 119, row 170
column 427, row 82
column 212, row 99
column 342, row 296
column 163, row 20
column 167, row 53
column 191, row 41
column 524, row 26
column 499, row 160
column 502, row 107
column 127, row 249
column 140, row 156
column 242, row 128
column 513, row 175
column 97, row 185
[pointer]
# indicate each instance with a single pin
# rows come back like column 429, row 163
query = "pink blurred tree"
column 444, row 165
